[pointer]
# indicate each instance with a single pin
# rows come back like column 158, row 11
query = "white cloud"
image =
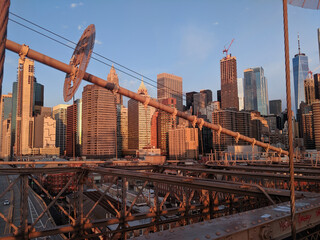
column 73, row 5
column 97, row 42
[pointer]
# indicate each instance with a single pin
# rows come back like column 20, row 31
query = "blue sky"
column 182, row 37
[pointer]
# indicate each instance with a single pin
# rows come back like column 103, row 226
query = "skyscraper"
column 229, row 88
column 189, row 99
column 208, row 94
column 60, row 115
column 199, row 102
column 169, row 85
column 319, row 42
column 45, row 132
column 300, row 72
column 309, row 90
column 240, row 93
column 99, row 122
column 275, row 107
column 24, row 113
column 316, row 78
column 165, row 123
column 256, row 90
column 139, row 122
column 5, row 113
column 74, row 129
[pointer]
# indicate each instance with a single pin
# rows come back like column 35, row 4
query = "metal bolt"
column 218, row 233
column 228, row 230
column 236, row 227
column 259, row 221
column 208, row 236
column 265, row 219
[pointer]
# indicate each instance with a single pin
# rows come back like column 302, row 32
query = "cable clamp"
column 23, row 51
column 146, row 102
column 267, row 148
column 194, row 121
column 201, row 123
column 219, row 130
column 174, row 114
column 237, row 137
column 280, row 152
column 253, row 143
column 115, row 89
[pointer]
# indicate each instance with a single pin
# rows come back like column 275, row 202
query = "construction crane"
column 225, row 50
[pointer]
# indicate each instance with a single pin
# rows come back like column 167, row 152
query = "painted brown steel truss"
column 197, row 198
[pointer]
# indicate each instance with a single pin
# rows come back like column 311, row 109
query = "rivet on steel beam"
column 208, row 236
column 259, row 221
column 266, row 219
column 236, row 227
column 228, row 230
column 197, row 239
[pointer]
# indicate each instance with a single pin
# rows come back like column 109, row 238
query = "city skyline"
column 200, row 62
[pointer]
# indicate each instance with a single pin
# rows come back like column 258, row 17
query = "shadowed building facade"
column 165, row 123
column 99, row 122
column 74, row 129
column 60, row 115
column 229, row 88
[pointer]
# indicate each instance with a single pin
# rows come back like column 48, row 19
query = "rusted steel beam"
column 246, row 174
column 15, row 47
column 9, row 187
column 52, row 202
column 275, row 169
column 50, row 162
column 17, row 171
column 196, row 183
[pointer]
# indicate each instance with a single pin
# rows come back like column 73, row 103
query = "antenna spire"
column 298, row 43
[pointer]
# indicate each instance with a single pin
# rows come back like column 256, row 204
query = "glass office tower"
column 300, row 72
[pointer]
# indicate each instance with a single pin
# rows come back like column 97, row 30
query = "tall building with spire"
column 300, row 72
column 169, row 85
column 113, row 77
column 229, row 88
column 139, row 122
column 24, row 112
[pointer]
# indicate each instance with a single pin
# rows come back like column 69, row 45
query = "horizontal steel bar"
column 245, row 174
column 49, row 162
